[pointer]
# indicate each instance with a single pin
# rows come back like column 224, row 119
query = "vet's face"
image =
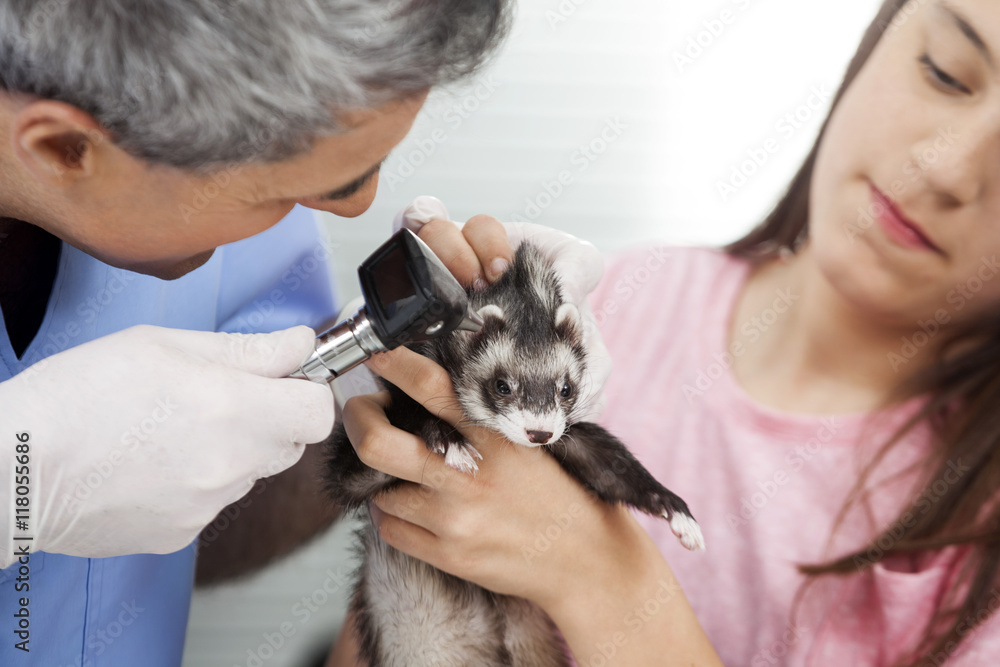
column 905, row 205
column 166, row 222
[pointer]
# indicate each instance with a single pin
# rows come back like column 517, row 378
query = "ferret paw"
column 462, row 457
column 687, row 530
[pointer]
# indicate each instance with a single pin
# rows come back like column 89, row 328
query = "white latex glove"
column 578, row 264
column 138, row 439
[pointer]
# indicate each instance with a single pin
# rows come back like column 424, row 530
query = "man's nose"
column 348, row 207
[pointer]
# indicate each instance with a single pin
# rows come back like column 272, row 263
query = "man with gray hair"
column 138, row 137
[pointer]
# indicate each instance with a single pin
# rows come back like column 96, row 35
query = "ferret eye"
column 566, row 390
column 503, row 388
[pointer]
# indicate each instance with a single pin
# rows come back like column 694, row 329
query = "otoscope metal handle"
column 340, row 349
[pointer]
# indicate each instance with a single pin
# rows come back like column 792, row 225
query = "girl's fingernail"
column 479, row 285
column 498, row 266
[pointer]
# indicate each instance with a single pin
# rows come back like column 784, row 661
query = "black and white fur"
column 521, row 375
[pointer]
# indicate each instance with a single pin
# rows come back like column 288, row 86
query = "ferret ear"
column 491, row 310
column 568, row 316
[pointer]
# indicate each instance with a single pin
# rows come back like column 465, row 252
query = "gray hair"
column 197, row 84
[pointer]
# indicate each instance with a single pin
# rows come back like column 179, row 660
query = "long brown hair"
column 962, row 387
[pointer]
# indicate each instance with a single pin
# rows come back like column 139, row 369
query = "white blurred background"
column 621, row 121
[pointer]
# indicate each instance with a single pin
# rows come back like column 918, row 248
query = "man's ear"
column 56, row 142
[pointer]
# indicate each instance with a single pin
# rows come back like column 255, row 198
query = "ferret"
column 522, row 376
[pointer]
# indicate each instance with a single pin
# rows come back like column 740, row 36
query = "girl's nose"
column 955, row 164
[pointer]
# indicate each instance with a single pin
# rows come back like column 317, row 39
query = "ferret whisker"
column 439, row 402
column 465, row 421
column 561, row 445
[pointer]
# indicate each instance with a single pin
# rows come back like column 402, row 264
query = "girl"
column 825, row 394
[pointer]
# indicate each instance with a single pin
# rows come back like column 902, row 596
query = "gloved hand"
column 138, row 439
column 578, row 264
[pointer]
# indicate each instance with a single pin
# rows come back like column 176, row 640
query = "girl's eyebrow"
column 963, row 24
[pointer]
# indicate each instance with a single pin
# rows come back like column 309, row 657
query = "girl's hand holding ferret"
column 522, row 526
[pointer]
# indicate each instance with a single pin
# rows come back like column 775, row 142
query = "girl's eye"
column 941, row 77
column 503, row 388
column 566, row 390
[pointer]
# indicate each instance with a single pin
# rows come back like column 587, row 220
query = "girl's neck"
column 807, row 349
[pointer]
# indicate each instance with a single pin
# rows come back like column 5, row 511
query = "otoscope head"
column 410, row 294
column 409, row 297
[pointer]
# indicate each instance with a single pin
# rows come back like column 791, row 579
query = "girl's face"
column 905, row 203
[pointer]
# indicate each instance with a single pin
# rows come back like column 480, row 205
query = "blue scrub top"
column 133, row 610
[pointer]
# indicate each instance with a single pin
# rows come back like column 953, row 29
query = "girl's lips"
column 897, row 226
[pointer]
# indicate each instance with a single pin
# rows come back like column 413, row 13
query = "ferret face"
column 521, row 374
column 527, row 395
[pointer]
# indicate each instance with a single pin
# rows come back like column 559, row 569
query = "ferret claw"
column 687, row 531
column 462, row 457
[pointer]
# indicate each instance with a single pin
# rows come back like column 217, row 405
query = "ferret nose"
column 539, row 437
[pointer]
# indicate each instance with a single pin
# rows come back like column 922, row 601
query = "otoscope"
column 409, row 296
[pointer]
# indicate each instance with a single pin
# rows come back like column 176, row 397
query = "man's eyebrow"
column 969, row 32
column 352, row 187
